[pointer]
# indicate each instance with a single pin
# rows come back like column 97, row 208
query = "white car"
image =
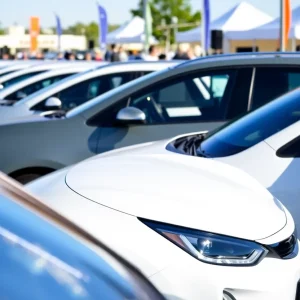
column 199, row 229
column 41, row 67
column 16, row 67
column 76, row 90
column 26, row 87
column 264, row 143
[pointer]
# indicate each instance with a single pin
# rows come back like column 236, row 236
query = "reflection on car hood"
column 147, row 182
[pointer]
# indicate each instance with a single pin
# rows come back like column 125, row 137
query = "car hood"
column 179, row 189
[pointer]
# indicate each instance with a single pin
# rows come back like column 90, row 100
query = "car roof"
column 248, row 58
column 42, row 251
column 44, row 66
column 69, row 69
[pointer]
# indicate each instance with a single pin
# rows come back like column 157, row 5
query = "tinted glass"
column 190, row 98
column 20, row 78
column 32, row 88
column 254, row 127
column 292, row 149
column 40, row 261
column 271, row 83
column 239, row 99
column 84, row 91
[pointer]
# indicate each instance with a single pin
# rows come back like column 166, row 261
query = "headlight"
column 211, row 248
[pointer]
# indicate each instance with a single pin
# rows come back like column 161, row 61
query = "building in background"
column 17, row 40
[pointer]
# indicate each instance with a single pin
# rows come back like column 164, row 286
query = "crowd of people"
column 113, row 54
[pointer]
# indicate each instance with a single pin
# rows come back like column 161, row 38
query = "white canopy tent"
column 243, row 16
column 269, row 31
column 131, row 32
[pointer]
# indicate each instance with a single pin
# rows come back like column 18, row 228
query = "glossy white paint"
column 105, row 195
column 279, row 175
column 163, row 188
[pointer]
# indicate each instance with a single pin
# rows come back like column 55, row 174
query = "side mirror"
column 1, row 86
column 53, row 103
column 131, row 115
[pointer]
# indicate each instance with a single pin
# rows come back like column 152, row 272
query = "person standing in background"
column 115, row 55
column 88, row 56
column 153, row 54
column 123, row 55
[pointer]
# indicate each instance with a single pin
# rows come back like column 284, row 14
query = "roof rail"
column 220, row 56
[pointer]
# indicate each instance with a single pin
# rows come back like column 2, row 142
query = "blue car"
column 44, row 256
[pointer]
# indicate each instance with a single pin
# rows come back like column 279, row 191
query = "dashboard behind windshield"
column 254, row 127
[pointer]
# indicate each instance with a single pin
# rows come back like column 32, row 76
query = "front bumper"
column 271, row 279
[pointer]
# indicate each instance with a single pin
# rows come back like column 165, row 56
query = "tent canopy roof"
column 269, row 30
column 130, row 32
column 243, row 16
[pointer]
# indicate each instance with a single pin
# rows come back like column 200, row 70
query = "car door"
column 195, row 102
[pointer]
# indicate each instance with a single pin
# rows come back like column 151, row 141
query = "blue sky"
column 71, row 11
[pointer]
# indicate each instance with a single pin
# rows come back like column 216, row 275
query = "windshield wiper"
column 191, row 144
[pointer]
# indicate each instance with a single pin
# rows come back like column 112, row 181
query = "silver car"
column 72, row 91
column 196, row 95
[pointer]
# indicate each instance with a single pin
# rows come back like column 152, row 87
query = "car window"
column 239, row 99
column 271, row 83
column 84, row 91
column 32, row 88
column 20, row 78
column 291, row 149
column 254, row 127
column 189, row 98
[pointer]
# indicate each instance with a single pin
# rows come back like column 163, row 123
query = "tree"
column 165, row 10
column 90, row 30
column 2, row 30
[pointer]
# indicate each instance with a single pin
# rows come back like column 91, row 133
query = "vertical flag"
column 205, row 26
column 286, row 19
column 34, row 33
column 103, row 27
column 58, row 32
column 148, row 25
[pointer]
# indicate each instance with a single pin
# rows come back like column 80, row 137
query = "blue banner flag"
column 206, row 25
column 58, row 25
column 103, row 27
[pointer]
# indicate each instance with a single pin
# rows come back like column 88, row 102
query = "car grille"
column 285, row 248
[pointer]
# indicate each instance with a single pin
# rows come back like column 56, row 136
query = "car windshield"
column 254, row 127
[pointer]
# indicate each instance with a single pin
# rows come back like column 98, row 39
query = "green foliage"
column 165, row 10
column 89, row 30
